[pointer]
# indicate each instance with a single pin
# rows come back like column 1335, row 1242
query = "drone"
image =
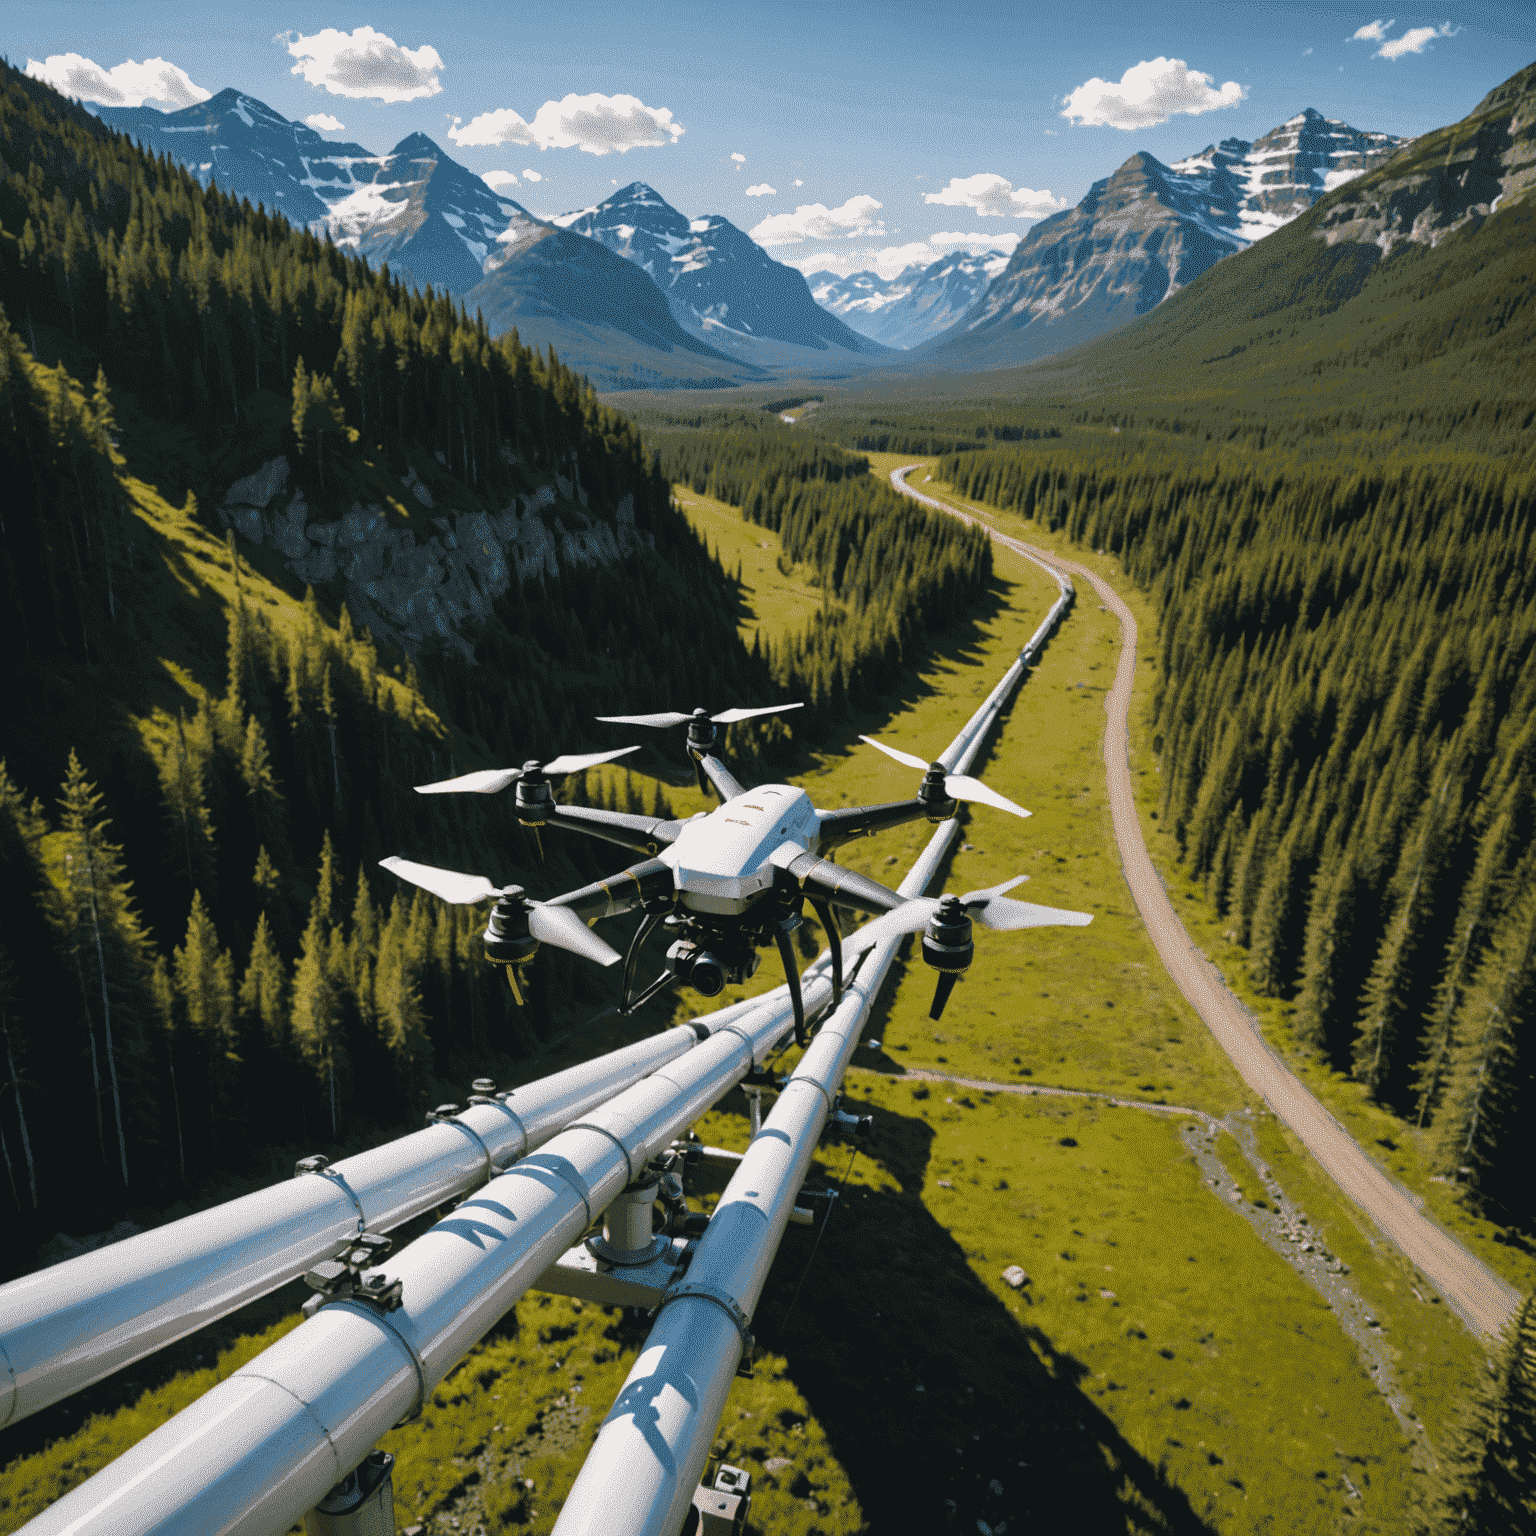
column 725, row 883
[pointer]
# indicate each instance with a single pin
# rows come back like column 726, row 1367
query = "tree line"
column 1346, row 722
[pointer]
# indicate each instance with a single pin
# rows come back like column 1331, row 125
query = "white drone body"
column 725, row 859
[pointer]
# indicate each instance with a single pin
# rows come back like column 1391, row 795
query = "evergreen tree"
column 1483, row 1120
column 1485, row 1483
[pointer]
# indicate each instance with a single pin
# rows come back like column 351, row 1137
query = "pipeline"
column 66, row 1327
column 258, row 1450
column 638, row 1479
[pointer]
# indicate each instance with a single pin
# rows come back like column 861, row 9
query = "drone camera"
column 697, row 968
column 948, row 948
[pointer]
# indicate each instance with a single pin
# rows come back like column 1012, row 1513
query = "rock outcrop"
column 408, row 589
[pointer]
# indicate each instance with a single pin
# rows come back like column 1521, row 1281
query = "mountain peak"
column 416, row 145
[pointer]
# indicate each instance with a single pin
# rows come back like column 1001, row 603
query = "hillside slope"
column 282, row 538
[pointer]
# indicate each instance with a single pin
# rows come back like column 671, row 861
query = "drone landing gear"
column 828, row 922
column 781, row 935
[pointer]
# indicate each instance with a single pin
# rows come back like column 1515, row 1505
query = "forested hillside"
column 202, row 763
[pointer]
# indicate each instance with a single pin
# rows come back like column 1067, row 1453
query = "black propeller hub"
column 534, row 797
column 701, row 732
column 947, row 944
column 507, row 940
column 932, row 790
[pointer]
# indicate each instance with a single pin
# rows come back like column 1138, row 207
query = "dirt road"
column 1481, row 1298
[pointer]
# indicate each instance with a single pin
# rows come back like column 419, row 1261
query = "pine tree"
column 12, row 1043
column 1487, row 1096
column 1485, row 1484
column 315, row 1012
column 264, row 987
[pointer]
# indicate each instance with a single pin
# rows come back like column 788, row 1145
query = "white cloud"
column 799, row 183
column 532, row 176
column 496, row 180
column 993, row 196
column 1051, row 133
column 325, row 123
column 891, row 259
column 1306, row 53
column 1147, row 94
column 364, row 64
column 1373, row 31
column 762, row 189
column 129, row 84
column 595, row 123
column 1415, row 41
column 739, row 159
column 815, row 221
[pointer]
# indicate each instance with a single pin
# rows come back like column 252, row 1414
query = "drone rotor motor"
column 948, row 949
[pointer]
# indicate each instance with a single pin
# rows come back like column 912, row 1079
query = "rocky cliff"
column 407, row 588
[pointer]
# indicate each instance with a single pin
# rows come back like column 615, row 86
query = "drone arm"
column 640, row 834
column 822, row 880
column 725, row 782
column 842, row 826
column 650, row 880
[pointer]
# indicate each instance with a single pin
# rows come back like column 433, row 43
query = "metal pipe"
column 69, row 1325
column 258, row 1450
column 639, row 1477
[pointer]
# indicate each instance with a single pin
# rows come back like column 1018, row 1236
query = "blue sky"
column 835, row 106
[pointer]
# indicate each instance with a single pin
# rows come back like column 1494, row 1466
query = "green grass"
column 776, row 603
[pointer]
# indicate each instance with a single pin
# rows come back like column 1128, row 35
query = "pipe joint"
column 322, row 1166
column 699, row 1290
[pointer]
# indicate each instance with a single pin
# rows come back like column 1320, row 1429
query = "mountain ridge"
column 1147, row 230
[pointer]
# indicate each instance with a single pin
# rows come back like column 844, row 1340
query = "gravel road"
column 1482, row 1299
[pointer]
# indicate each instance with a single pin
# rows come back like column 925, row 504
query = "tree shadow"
column 944, row 1410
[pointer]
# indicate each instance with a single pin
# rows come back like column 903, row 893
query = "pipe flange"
column 627, row 1258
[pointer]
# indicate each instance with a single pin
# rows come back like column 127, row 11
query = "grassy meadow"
column 1161, row 1371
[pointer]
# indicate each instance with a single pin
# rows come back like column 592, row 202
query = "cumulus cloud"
column 532, row 176
column 1415, row 41
column 815, row 221
column 496, row 180
column 364, row 64
column 1147, row 94
column 1373, row 31
column 762, row 189
column 325, row 123
column 739, row 159
column 993, row 196
column 888, row 260
column 799, row 183
column 129, row 84
column 596, row 124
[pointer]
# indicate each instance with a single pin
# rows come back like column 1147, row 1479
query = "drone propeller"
column 958, row 786
column 676, row 717
column 488, row 781
column 990, row 907
column 548, row 924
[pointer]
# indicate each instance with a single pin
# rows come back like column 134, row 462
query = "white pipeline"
column 639, row 1477
column 252, row 1455
column 65, row 1327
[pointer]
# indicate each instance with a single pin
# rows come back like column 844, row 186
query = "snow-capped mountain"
column 917, row 304
column 430, row 219
column 722, row 286
column 434, row 222
column 1151, row 229
column 248, row 149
